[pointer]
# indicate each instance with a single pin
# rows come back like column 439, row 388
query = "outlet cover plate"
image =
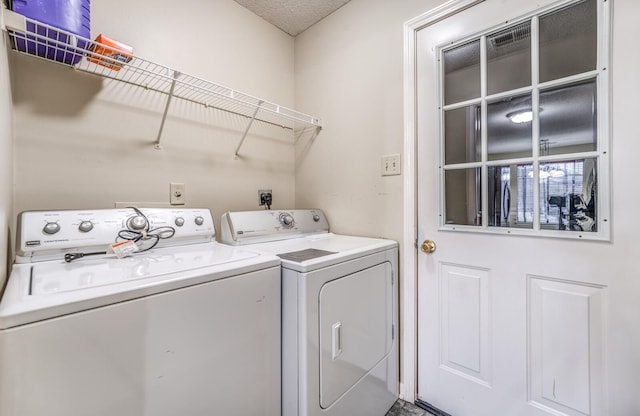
column 177, row 193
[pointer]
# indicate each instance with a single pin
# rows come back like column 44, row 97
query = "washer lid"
column 59, row 277
column 54, row 288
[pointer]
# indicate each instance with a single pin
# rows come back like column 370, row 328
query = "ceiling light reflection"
column 519, row 117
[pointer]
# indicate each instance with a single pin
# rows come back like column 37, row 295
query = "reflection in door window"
column 463, row 188
column 568, row 33
column 509, row 58
column 568, row 195
column 510, row 196
column 462, row 143
column 462, row 72
column 562, row 131
column 506, row 138
column 522, row 110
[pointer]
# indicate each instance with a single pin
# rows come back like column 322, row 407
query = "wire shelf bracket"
column 30, row 37
column 244, row 136
column 176, row 74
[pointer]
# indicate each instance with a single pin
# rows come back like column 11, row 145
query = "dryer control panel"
column 250, row 227
column 45, row 234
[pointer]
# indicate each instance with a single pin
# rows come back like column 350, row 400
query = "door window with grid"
column 524, row 126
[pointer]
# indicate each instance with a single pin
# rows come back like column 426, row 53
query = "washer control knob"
column 199, row 220
column 179, row 221
column 137, row 223
column 316, row 217
column 85, row 226
column 286, row 220
column 51, row 228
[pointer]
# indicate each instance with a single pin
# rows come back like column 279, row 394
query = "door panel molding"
column 464, row 322
column 566, row 345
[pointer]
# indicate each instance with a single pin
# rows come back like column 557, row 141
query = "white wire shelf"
column 43, row 41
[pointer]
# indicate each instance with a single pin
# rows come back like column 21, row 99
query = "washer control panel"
column 41, row 232
column 249, row 227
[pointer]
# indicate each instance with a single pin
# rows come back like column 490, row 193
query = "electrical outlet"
column 390, row 165
column 177, row 193
column 265, row 197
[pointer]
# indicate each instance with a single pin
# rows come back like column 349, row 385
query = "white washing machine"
column 339, row 313
column 189, row 327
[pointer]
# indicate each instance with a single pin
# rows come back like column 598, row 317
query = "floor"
column 402, row 408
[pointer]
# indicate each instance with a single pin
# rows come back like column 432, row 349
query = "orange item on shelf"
column 110, row 53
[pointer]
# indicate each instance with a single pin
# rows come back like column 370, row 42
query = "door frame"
column 409, row 258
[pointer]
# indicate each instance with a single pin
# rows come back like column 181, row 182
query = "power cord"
column 147, row 233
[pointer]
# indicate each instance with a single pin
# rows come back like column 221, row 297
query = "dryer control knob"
column 51, row 228
column 179, row 221
column 137, row 223
column 85, row 226
column 199, row 220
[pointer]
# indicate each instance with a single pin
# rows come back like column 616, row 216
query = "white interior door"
column 521, row 324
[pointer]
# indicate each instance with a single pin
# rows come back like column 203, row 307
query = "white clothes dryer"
column 339, row 313
column 189, row 327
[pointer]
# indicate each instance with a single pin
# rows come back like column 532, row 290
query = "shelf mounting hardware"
column 244, row 136
column 176, row 74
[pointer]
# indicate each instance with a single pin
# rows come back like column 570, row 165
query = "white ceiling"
column 292, row 16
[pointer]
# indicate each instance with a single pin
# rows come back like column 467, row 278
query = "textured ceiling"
column 292, row 16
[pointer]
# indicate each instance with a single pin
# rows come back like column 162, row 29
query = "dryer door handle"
column 336, row 340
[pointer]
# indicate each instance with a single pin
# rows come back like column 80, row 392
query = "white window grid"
column 601, row 154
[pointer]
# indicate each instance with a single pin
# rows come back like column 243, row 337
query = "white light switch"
column 390, row 165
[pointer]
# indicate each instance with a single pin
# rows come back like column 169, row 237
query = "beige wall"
column 6, row 162
column 349, row 70
column 85, row 142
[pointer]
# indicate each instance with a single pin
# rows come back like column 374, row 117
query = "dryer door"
column 356, row 320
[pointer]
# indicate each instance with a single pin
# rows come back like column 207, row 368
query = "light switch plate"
column 390, row 165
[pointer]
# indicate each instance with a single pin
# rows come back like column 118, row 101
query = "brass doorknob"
column 428, row 246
